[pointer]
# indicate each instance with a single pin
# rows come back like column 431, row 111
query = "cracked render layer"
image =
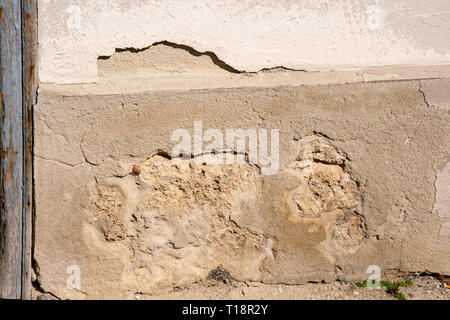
column 356, row 187
column 436, row 93
column 171, row 66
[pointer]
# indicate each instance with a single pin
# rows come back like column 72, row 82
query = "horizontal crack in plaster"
column 103, row 60
column 58, row 161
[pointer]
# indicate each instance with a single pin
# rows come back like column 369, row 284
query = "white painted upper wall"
column 249, row 35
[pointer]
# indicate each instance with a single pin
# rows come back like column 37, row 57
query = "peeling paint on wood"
column 11, row 166
column 18, row 41
column 29, row 47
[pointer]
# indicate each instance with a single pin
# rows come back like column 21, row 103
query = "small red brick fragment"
column 136, row 169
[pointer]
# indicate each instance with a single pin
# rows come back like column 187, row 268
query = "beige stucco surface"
column 365, row 196
column 359, row 90
column 246, row 35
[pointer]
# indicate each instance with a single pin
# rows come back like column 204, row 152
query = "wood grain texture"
column 11, row 150
column 30, row 83
column 18, row 81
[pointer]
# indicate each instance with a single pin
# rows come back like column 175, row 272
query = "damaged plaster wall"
column 364, row 163
column 249, row 35
column 356, row 187
column 171, row 66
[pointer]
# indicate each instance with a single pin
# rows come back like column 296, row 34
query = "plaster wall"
column 248, row 35
column 359, row 91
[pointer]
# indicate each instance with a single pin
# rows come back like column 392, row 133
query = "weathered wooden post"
column 18, row 82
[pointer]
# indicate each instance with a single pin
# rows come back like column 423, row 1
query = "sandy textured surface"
column 356, row 186
column 423, row 288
